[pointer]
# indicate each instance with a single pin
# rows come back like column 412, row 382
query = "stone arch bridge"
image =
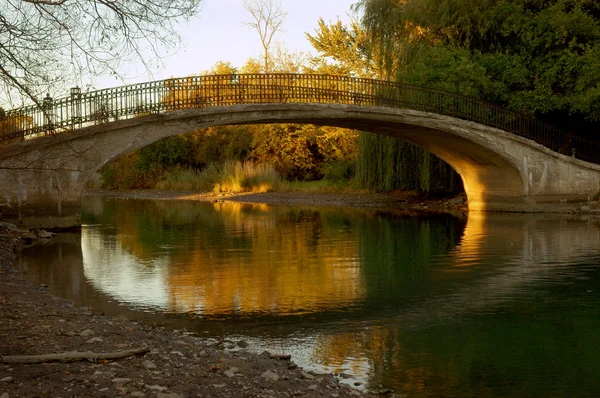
column 507, row 161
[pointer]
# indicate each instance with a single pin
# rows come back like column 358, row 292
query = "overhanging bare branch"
column 49, row 45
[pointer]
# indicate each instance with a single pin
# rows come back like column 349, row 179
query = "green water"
column 485, row 306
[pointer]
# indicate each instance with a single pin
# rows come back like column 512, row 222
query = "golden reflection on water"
column 333, row 351
column 281, row 272
column 282, row 267
column 470, row 249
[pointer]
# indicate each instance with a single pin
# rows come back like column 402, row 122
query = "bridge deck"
column 104, row 106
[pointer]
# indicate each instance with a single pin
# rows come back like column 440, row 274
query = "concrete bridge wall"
column 43, row 179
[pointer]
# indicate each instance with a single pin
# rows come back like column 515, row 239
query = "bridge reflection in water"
column 496, row 306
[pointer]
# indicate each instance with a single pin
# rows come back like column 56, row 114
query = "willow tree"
column 383, row 163
column 45, row 44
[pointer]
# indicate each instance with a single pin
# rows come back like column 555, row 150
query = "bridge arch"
column 500, row 170
column 487, row 171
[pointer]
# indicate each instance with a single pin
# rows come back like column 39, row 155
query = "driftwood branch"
column 73, row 356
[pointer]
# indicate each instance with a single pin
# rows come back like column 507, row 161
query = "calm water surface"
column 496, row 305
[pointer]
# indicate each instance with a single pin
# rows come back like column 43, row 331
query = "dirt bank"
column 396, row 201
column 407, row 201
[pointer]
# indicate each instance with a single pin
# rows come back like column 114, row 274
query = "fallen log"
column 73, row 356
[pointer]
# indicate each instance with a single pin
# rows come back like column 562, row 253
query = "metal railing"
column 103, row 106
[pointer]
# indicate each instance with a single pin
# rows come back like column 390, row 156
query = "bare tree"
column 268, row 17
column 50, row 43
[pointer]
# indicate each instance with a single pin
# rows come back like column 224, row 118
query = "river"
column 493, row 305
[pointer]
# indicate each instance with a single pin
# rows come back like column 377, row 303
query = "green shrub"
column 339, row 170
column 168, row 152
column 123, row 174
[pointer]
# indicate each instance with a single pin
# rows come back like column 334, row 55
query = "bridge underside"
column 43, row 179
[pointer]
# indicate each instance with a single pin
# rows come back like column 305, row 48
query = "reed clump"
column 232, row 176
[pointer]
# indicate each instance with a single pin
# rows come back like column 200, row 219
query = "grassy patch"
column 227, row 177
column 316, row 186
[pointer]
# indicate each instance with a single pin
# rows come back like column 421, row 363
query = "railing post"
column 48, row 109
column 218, row 96
column 75, row 107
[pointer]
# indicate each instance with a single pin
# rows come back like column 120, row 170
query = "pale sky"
column 218, row 33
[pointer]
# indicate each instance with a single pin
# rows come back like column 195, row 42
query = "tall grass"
column 226, row 177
